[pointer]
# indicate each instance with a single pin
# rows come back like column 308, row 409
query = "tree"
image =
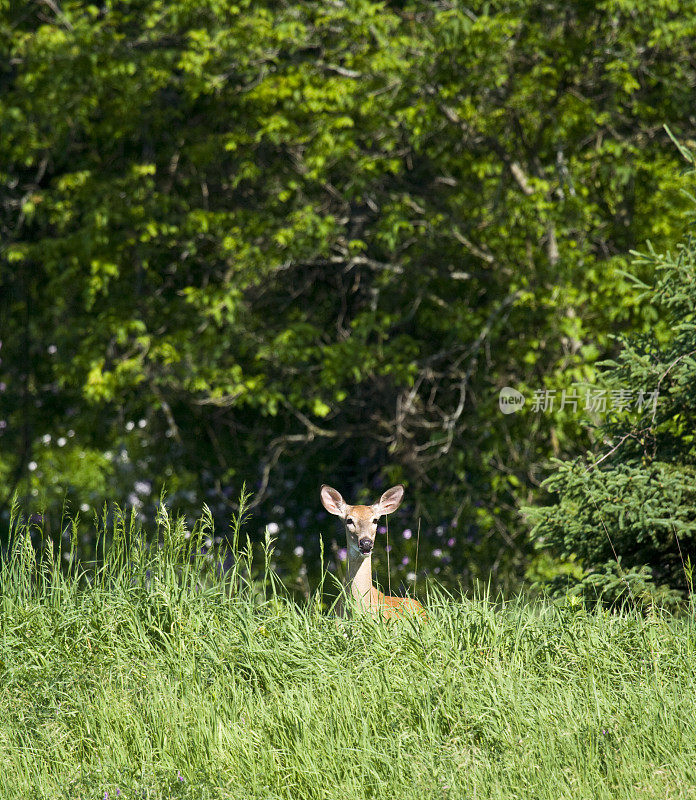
column 629, row 514
column 306, row 242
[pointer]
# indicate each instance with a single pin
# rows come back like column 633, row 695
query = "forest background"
column 283, row 244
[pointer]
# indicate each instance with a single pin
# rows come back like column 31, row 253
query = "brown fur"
column 361, row 528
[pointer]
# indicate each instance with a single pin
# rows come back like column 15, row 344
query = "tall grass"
column 150, row 675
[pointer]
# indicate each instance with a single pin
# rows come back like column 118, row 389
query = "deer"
column 361, row 528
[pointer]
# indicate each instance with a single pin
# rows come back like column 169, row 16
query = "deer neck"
column 359, row 577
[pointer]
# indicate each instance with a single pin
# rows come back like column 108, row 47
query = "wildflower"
column 299, row 551
column 451, row 541
column 272, row 528
column 388, row 548
column 62, row 441
column 411, row 576
column 342, row 554
column 179, row 776
column 437, row 553
column 407, row 534
column 405, row 560
column 382, row 529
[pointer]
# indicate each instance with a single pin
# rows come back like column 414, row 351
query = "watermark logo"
column 510, row 400
column 594, row 401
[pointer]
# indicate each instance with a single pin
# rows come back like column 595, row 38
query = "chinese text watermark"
column 593, row 401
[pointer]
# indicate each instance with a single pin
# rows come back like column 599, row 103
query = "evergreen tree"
column 629, row 513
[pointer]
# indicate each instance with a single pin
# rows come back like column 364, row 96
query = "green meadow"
column 149, row 674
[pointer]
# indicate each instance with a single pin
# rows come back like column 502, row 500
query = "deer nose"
column 365, row 546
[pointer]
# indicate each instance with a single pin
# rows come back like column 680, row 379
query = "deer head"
column 361, row 521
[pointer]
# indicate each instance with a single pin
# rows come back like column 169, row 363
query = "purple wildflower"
column 407, row 534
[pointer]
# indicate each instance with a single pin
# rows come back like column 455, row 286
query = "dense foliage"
column 629, row 515
column 305, row 242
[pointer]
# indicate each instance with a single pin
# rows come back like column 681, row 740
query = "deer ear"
column 332, row 501
column 391, row 499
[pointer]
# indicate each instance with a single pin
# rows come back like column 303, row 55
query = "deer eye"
column 349, row 521
column 375, row 521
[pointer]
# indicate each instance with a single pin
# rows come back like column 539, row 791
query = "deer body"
column 361, row 529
